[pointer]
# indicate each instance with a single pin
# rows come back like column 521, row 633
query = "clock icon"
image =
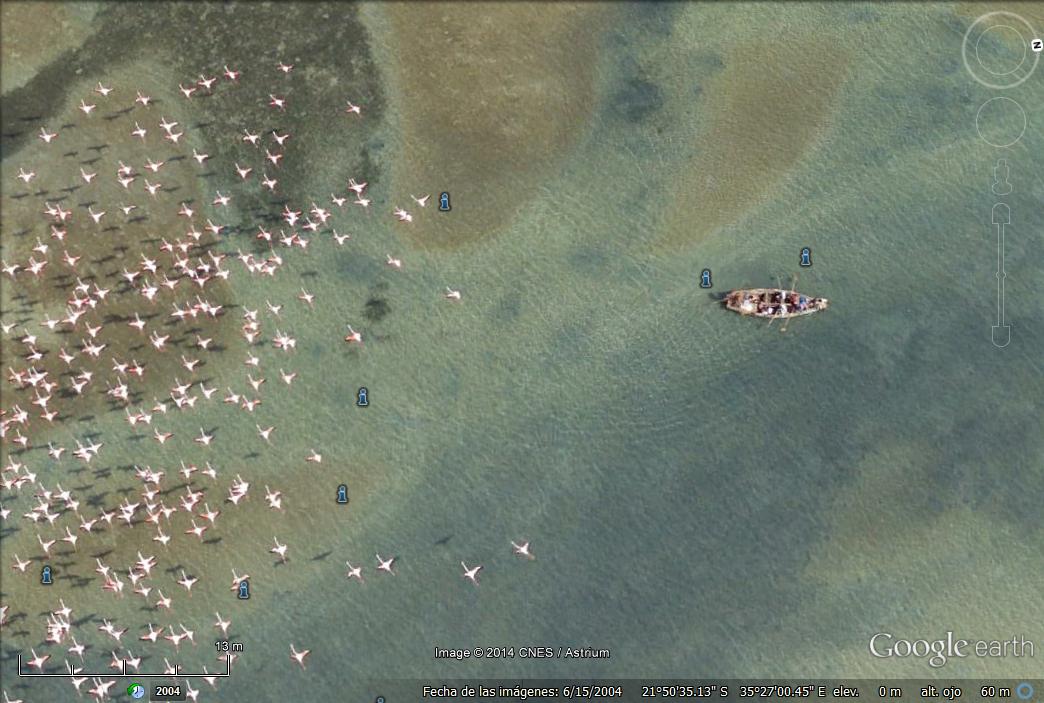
column 136, row 691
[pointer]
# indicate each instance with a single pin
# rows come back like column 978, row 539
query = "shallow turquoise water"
column 689, row 480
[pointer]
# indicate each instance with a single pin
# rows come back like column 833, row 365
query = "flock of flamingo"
column 90, row 335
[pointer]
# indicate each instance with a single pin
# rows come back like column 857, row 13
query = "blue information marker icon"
column 364, row 397
column 342, row 494
column 46, row 578
column 244, row 589
column 705, row 278
column 444, row 203
column 806, row 257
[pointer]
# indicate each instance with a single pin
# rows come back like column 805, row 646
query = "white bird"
column 522, row 550
column 222, row 625
column 152, row 635
column 279, row 550
column 385, row 564
column 472, row 573
column 274, row 499
column 204, row 438
column 77, row 648
column 186, row 581
column 37, row 662
column 299, row 657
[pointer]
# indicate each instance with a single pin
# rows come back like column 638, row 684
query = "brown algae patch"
column 874, row 555
column 22, row 24
column 97, row 144
column 766, row 115
column 492, row 97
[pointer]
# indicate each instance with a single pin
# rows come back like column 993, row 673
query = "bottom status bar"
column 649, row 691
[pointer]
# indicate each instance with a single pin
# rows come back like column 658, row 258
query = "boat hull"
column 772, row 303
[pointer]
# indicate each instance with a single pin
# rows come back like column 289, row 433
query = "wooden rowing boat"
column 772, row 303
